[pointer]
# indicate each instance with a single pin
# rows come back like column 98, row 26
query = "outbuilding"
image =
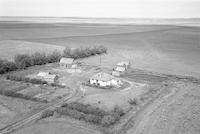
column 47, row 76
column 125, row 64
column 115, row 73
column 67, row 62
column 120, row 68
column 51, row 78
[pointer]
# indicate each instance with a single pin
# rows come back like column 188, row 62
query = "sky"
column 102, row 8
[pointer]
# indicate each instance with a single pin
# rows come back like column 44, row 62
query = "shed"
column 120, row 68
column 51, row 78
column 125, row 64
column 115, row 73
column 66, row 62
column 47, row 76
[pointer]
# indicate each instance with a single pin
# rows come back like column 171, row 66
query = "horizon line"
column 104, row 17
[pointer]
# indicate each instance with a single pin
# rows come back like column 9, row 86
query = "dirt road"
column 175, row 113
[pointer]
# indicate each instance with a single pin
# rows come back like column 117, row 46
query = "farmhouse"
column 47, row 76
column 67, row 62
column 104, row 80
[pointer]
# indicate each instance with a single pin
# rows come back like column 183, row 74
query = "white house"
column 67, row 62
column 104, row 80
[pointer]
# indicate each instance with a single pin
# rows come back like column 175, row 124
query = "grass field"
column 161, row 48
column 10, row 48
column 54, row 128
column 169, row 49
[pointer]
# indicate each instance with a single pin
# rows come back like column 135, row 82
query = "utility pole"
column 100, row 59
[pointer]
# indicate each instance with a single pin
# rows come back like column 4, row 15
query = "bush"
column 11, row 93
column 39, row 58
column 108, row 120
column 133, row 101
column 54, row 57
column 7, row 66
column 87, row 109
column 23, row 61
column 119, row 111
column 91, row 114
column 25, row 79
column 47, row 113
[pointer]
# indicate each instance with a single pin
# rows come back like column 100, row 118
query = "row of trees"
column 84, row 52
column 91, row 114
column 22, row 61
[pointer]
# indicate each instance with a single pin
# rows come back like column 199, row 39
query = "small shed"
column 104, row 80
column 120, row 68
column 66, row 62
column 51, row 78
column 125, row 64
column 115, row 73
column 47, row 76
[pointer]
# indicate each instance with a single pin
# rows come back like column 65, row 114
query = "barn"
column 104, row 80
column 67, row 62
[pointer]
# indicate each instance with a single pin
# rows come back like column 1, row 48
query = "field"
column 161, row 57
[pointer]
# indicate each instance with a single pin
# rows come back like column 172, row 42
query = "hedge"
column 47, row 113
column 11, row 93
column 25, row 79
column 91, row 114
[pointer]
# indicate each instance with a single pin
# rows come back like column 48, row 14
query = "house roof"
column 123, row 63
column 120, row 69
column 102, row 77
column 67, row 60
column 50, row 76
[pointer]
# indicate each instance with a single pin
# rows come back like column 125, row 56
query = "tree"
column 54, row 57
column 39, row 58
column 23, row 61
